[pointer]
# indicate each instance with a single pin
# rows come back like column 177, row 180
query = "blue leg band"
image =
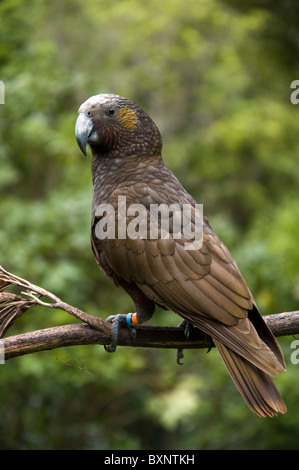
column 129, row 319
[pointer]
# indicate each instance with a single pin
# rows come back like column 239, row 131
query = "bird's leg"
column 187, row 330
column 187, row 327
column 210, row 342
column 117, row 322
column 130, row 320
column 180, row 351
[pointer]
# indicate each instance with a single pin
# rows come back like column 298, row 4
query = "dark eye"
column 111, row 111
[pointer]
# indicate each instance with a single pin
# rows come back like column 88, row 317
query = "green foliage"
column 216, row 77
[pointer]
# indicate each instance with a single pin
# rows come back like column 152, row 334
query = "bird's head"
column 113, row 125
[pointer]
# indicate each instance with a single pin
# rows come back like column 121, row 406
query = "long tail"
column 255, row 386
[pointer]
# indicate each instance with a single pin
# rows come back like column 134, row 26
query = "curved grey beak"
column 83, row 130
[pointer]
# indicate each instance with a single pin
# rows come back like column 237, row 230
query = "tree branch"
column 94, row 330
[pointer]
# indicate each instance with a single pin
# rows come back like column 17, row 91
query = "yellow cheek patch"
column 127, row 118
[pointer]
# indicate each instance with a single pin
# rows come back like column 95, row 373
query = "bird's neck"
column 109, row 173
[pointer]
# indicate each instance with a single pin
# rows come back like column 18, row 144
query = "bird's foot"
column 180, row 351
column 187, row 327
column 210, row 342
column 179, row 356
column 128, row 320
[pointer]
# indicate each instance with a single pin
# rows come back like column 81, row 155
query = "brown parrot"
column 202, row 285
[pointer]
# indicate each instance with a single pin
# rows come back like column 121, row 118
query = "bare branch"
column 94, row 330
column 74, row 335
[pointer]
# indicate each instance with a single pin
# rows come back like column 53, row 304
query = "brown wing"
column 203, row 286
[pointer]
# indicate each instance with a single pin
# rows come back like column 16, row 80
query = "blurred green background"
column 215, row 76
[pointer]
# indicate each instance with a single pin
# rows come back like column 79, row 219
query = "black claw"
column 210, row 343
column 179, row 356
column 180, row 351
column 109, row 348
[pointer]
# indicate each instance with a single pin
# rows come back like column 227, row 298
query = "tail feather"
column 255, row 386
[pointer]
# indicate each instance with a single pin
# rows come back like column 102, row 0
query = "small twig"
column 71, row 364
column 35, row 292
